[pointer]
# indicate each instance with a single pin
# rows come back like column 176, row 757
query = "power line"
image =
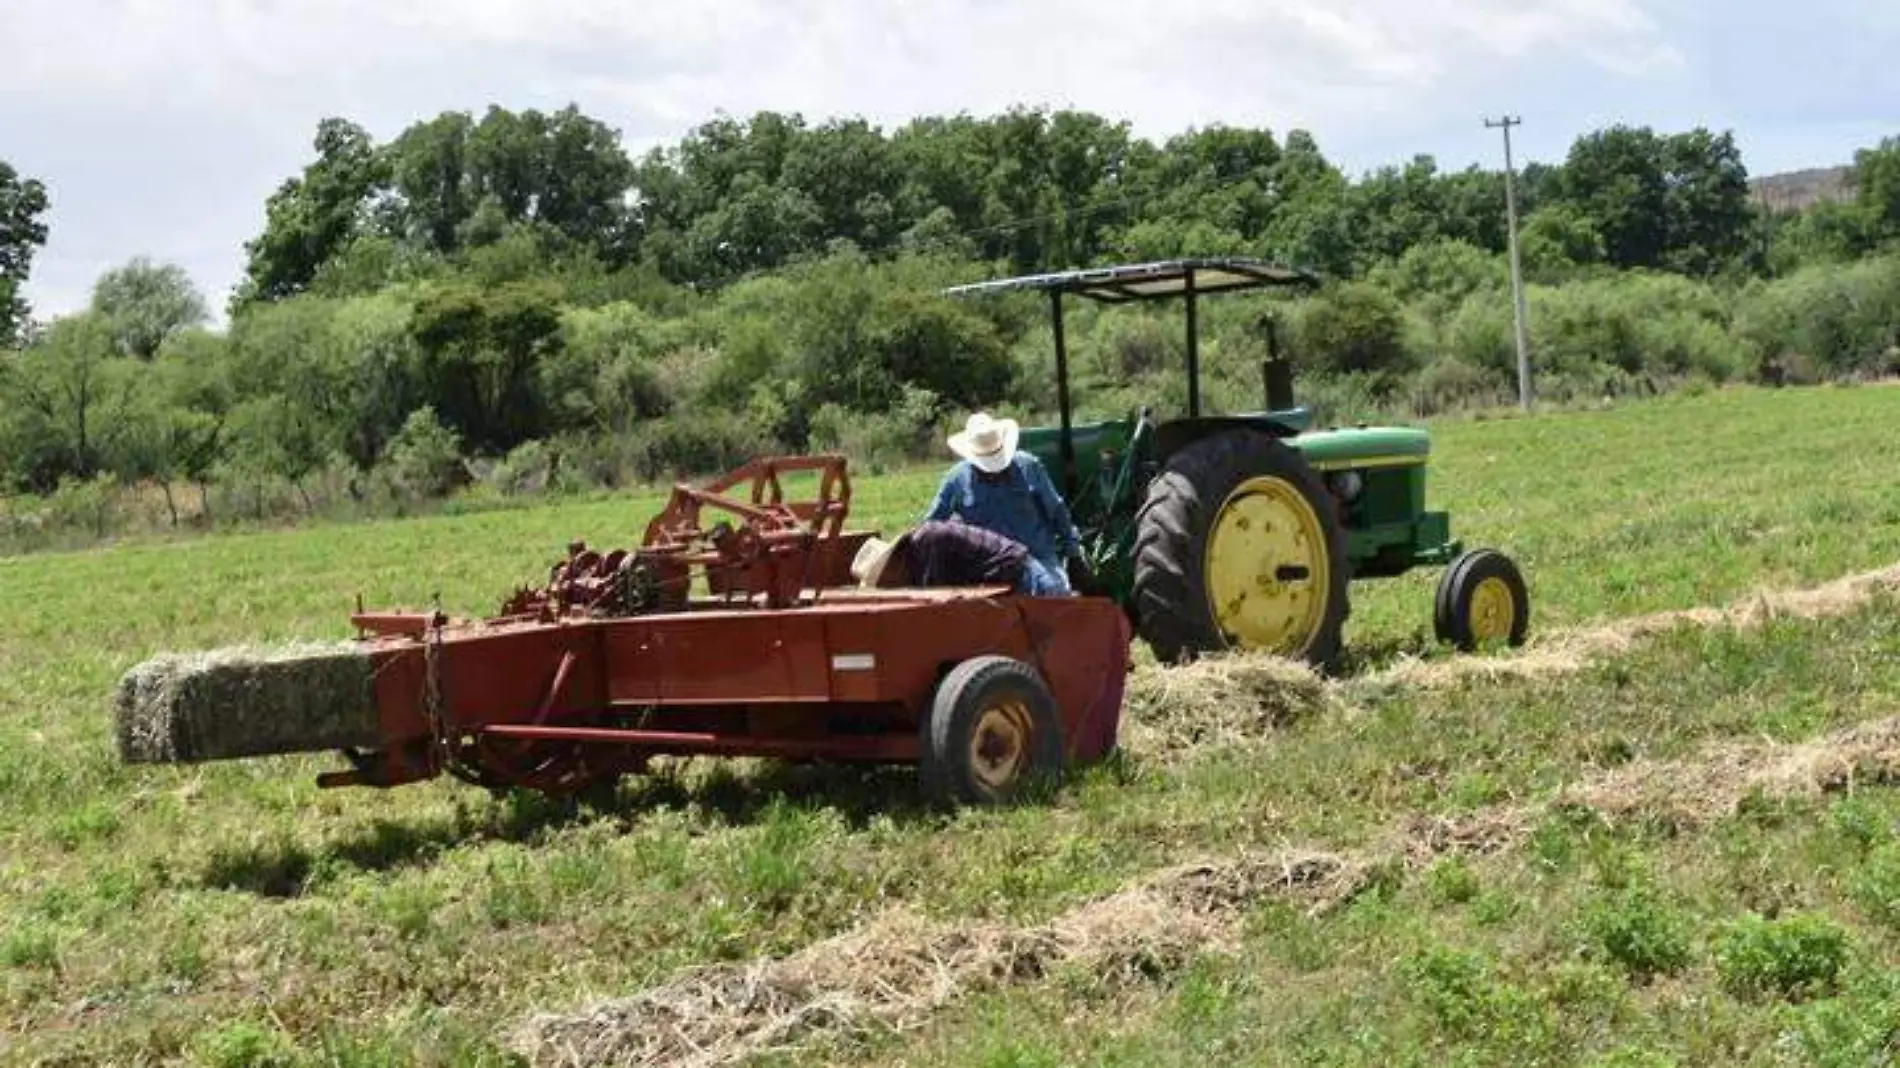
column 1517, row 272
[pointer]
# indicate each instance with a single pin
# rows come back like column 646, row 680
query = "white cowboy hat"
column 868, row 566
column 989, row 444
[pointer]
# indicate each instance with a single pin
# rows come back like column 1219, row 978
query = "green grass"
column 234, row 914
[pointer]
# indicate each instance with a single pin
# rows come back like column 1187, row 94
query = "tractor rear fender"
column 1174, row 436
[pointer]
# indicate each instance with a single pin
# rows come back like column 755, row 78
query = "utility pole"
column 1517, row 271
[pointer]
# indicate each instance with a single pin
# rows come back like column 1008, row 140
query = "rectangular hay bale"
column 184, row 708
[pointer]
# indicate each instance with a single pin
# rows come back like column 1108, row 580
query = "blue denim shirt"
column 1025, row 507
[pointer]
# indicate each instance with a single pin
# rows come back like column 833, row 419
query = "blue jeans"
column 1039, row 580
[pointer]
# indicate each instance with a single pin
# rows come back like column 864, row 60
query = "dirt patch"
column 1566, row 652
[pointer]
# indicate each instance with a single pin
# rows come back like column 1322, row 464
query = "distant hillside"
column 1795, row 190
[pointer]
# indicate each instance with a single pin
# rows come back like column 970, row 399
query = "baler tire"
column 1174, row 527
column 965, row 701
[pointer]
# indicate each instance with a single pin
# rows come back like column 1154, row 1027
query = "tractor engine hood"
column 1339, row 448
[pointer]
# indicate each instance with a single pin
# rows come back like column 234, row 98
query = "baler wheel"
column 1239, row 546
column 992, row 727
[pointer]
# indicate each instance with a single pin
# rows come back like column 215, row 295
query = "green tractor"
column 1242, row 531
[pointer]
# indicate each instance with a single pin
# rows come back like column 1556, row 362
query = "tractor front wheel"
column 1481, row 601
column 1239, row 546
column 992, row 727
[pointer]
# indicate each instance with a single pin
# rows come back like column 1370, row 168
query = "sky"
column 161, row 126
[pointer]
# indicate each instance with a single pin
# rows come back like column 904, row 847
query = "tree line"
column 516, row 290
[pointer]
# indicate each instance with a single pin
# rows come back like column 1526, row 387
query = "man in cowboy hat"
column 953, row 554
column 1008, row 492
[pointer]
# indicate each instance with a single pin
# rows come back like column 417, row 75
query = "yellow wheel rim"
column 999, row 746
column 1267, row 571
column 1493, row 610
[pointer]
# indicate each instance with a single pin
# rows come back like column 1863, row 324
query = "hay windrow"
column 894, row 972
column 1567, row 652
column 245, row 702
column 1219, row 700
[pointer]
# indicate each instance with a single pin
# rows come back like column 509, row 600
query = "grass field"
column 234, row 914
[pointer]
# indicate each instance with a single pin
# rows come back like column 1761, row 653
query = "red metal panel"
column 1082, row 649
column 635, row 664
column 738, row 656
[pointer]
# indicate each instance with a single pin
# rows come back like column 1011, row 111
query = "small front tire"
column 1482, row 600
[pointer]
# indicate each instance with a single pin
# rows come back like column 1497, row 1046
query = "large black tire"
column 1176, row 522
column 992, row 729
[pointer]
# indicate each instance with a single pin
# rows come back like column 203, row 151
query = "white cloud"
column 239, row 84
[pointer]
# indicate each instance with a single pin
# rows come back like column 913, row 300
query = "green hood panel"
column 1349, row 444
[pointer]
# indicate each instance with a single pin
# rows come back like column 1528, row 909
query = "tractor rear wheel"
column 992, row 728
column 1239, row 546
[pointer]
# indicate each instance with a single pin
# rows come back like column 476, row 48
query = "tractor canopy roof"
column 1151, row 281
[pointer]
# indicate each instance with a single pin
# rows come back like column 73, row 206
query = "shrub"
column 1463, row 996
column 1355, row 327
column 1877, row 886
column 699, row 444
column 1639, row 931
column 878, row 442
column 1452, row 881
column 425, row 457
column 243, row 1044
column 1451, row 383
column 1794, row 956
column 529, row 468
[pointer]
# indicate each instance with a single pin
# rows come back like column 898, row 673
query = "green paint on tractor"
column 1152, row 499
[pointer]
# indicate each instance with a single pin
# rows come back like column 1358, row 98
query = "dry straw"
column 896, row 970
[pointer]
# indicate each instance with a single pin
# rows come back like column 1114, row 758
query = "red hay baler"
column 743, row 640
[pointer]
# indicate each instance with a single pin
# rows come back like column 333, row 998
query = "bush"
column 529, row 468
column 1840, row 320
column 877, row 442
column 1877, row 886
column 1465, row 998
column 424, row 457
column 1355, row 327
column 1451, row 383
column 1794, row 956
column 699, row 444
column 1639, row 931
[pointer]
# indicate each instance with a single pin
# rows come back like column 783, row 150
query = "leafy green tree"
column 1558, row 237
column 1616, row 177
column 22, row 202
column 310, row 219
column 1877, row 186
column 1709, row 216
column 143, row 303
column 481, row 353
column 68, row 396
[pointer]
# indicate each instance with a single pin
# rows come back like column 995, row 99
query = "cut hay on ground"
column 1567, row 652
column 1694, row 793
column 894, row 972
column 1218, row 700
column 245, row 702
